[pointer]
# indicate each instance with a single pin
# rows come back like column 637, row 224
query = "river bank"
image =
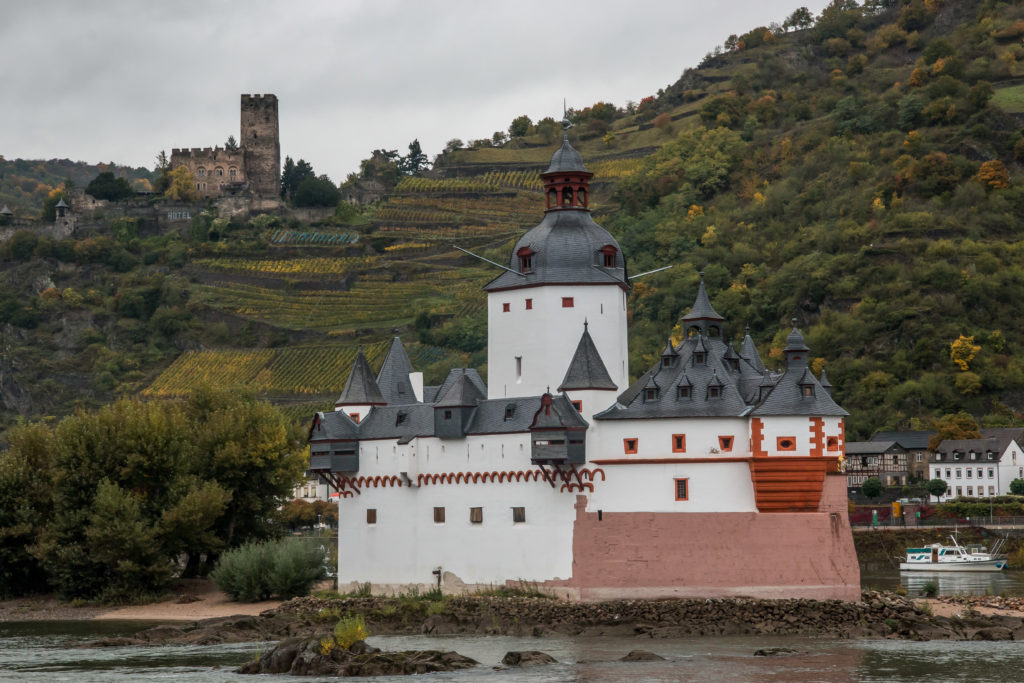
column 879, row 615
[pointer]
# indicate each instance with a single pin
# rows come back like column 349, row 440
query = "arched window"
column 233, row 173
column 714, row 331
column 552, row 198
column 218, row 171
column 581, row 197
column 567, row 196
column 200, row 171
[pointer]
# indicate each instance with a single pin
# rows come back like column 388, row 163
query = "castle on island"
column 707, row 476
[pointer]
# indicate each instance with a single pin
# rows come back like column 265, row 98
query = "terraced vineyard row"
column 314, row 237
column 291, row 266
column 298, row 371
column 523, row 180
column 408, row 184
column 368, row 304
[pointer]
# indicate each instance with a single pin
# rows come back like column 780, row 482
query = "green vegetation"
column 347, row 631
column 285, row 568
column 872, row 487
column 103, row 505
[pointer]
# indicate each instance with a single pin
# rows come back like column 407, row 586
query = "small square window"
column 529, row 304
column 506, row 307
column 679, row 443
column 785, row 443
column 713, row 392
column 447, row 414
column 438, row 515
column 519, row 515
column 355, row 417
column 567, row 302
column 371, row 515
column 683, row 392
column 578, row 405
column 725, row 443
column 630, row 445
column 476, row 515
column 510, row 411
column 832, row 443
column 682, row 489
column 807, row 391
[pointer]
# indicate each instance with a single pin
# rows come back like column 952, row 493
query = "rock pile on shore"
column 878, row 615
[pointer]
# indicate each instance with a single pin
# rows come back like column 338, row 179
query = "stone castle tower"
column 261, row 142
column 254, row 167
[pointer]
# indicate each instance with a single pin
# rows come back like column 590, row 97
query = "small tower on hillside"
column 562, row 272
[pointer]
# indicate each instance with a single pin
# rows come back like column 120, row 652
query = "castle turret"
column 361, row 392
column 564, row 271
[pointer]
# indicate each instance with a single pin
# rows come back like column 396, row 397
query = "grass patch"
column 521, row 589
column 1010, row 99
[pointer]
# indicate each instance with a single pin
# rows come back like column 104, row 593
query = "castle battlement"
column 267, row 98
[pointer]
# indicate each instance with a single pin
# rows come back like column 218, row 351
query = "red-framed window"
column 608, row 255
column 529, row 304
column 832, row 443
column 355, row 417
column 679, row 443
column 568, row 302
column 630, row 445
column 525, row 255
column 682, row 486
column 506, row 307
column 578, row 405
column 725, row 443
column 785, row 443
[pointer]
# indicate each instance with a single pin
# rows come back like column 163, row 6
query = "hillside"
column 862, row 175
column 25, row 184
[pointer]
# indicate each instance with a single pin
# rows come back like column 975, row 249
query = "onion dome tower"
column 566, row 270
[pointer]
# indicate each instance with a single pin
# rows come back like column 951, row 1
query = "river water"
column 46, row 651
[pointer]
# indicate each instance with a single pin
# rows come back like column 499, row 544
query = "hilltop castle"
column 256, row 164
column 707, row 476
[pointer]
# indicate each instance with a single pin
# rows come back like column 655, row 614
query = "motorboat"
column 954, row 558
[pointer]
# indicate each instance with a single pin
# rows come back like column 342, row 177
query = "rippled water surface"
column 47, row 651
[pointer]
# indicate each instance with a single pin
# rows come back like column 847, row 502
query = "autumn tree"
column 993, row 175
column 182, row 185
column 959, row 425
column 962, row 351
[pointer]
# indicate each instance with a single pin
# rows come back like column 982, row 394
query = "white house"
column 979, row 468
column 707, row 476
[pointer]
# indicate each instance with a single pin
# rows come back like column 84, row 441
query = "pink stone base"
column 764, row 555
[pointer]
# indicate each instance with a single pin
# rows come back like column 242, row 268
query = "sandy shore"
column 194, row 600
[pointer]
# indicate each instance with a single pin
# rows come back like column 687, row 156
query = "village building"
column 707, row 476
column 979, row 468
column 885, row 460
column 915, row 443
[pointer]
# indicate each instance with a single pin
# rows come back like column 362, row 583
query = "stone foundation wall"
column 763, row 555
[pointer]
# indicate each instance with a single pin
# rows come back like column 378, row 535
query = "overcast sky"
column 120, row 80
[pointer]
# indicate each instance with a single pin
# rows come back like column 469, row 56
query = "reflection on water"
column 44, row 651
column 1006, row 582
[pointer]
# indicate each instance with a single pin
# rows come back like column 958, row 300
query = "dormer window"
column 401, row 418
column 683, row 392
column 714, row 392
column 510, row 411
column 699, row 357
column 807, row 391
column 650, row 395
column 525, row 255
column 940, row 456
column 667, row 361
column 956, row 455
column 991, row 455
column 608, row 253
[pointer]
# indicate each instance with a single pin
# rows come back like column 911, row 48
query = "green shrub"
column 930, row 588
column 257, row 571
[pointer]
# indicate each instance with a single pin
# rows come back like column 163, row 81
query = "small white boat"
column 954, row 558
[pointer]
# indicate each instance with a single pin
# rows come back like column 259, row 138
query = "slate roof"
column 334, row 424
column 785, row 398
column 995, row 444
column 452, row 378
column 361, row 387
column 566, row 249
column 586, row 369
column 910, row 439
column 795, row 341
column 62, row 203
column 702, row 308
column 633, row 404
column 383, row 422
column 748, row 352
column 393, row 378
column 490, row 416
column 6, row 211
column 462, row 394
column 566, row 159
column 562, row 414
column 870, row 447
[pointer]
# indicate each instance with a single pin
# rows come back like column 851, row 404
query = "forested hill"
column 860, row 171
column 864, row 176
column 25, row 184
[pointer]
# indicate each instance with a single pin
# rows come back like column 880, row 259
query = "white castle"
column 708, row 476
